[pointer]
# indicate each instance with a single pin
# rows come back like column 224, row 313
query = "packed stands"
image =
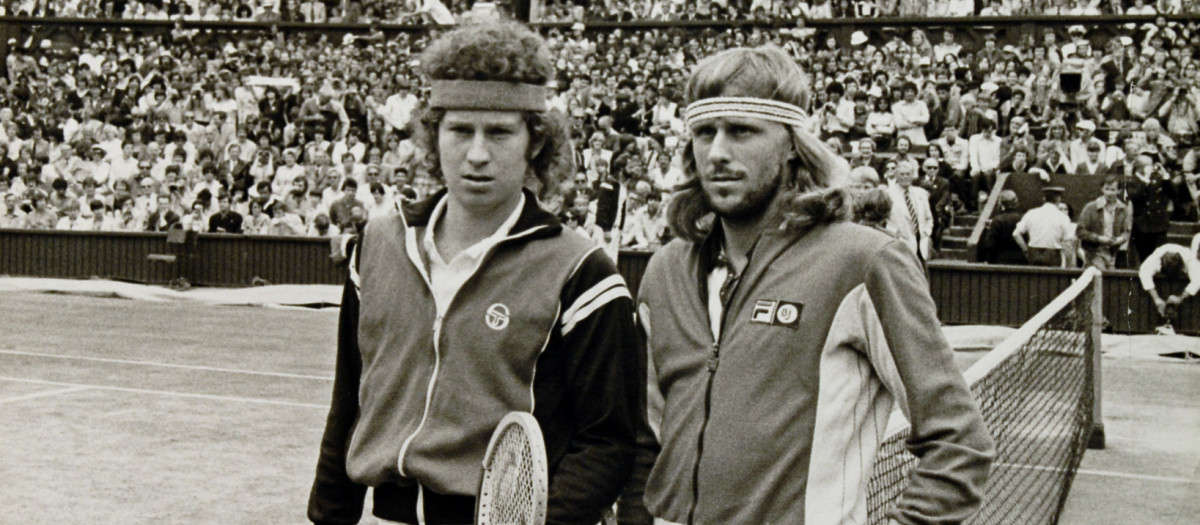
column 300, row 132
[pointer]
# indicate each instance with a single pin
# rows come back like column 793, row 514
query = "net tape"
column 1035, row 393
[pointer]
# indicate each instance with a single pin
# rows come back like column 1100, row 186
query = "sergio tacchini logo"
column 497, row 316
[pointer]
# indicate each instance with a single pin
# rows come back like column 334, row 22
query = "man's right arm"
column 335, row 498
column 948, row 433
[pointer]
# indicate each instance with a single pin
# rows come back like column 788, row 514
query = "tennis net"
column 1035, row 390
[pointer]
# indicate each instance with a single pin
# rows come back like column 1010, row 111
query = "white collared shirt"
column 1046, row 225
column 446, row 278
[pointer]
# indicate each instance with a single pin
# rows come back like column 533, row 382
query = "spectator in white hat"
column 1085, row 135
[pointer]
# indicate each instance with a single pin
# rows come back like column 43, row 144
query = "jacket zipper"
column 714, row 359
column 713, row 362
column 437, row 331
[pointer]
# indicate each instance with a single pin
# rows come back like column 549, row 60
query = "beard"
column 752, row 202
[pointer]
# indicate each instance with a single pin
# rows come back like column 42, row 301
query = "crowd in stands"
column 788, row 10
column 310, row 11
column 411, row 11
column 307, row 134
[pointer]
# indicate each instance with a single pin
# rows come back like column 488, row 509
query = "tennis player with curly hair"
column 477, row 302
column 781, row 335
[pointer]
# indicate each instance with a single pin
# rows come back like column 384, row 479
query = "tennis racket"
column 515, row 479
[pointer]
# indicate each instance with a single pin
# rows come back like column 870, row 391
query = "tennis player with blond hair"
column 781, row 335
column 475, row 303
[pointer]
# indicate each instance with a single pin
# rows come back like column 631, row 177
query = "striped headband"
column 760, row 108
column 487, row 95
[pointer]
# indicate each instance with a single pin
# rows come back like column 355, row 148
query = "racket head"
column 515, row 482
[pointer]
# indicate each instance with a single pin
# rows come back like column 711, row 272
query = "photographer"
column 1150, row 195
column 1181, row 111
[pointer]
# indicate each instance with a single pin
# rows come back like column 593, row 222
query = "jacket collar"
column 533, row 217
column 769, row 245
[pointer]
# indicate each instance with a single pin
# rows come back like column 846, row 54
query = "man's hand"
column 1174, row 300
column 1161, row 305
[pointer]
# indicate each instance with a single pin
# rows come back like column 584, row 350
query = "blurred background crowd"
column 352, row 11
column 311, row 132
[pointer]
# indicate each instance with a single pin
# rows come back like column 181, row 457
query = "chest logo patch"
column 496, row 317
column 776, row 313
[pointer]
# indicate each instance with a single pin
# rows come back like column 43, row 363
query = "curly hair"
column 501, row 51
column 811, row 189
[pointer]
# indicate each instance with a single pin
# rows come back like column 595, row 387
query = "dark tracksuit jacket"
column 545, row 325
column 779, row 421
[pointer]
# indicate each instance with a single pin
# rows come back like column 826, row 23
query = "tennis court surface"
column 177, row 411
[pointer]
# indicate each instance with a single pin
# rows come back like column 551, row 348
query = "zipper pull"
column 714, row 358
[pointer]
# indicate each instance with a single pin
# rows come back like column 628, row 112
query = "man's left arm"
column 948, row 434
column 604, row 391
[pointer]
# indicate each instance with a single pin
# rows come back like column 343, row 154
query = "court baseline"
column 166, row 365
column 164, row 393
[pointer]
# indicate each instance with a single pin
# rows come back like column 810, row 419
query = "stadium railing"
column 965, row 294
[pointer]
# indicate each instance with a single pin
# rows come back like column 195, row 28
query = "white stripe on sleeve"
column 590, row 295
column 582, row 310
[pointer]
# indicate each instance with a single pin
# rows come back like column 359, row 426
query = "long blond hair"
column 813, row 182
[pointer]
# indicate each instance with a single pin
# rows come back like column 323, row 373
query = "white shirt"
column 447, row 278
column 397, row 110
column 341, row 148
column 1153, row 264
column 1046, row 225
column 984, row 152
column 716, row 280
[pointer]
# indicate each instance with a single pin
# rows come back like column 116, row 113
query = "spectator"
column 911, row 217
column 163, row 217
column 983, row 151
column 225, row 220
column 646, row 227
column 285, row 217
column 1093, row 164
column 934, row 180
column 1079, row 147
column 911, row 115
column 257, row 222
column 881, row 123
column 197, row 220
column 340, row 211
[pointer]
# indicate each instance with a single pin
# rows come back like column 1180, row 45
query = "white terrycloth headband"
column 759, row 108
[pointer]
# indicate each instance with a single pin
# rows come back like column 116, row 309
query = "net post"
column 1096, row 439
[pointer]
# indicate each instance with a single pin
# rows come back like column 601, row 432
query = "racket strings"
column 514, row 494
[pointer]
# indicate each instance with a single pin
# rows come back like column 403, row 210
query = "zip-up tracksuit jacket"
column 779, row 421
column 544, row 325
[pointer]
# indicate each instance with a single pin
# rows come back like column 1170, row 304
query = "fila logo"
column 497, row 317
column 776, row 313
